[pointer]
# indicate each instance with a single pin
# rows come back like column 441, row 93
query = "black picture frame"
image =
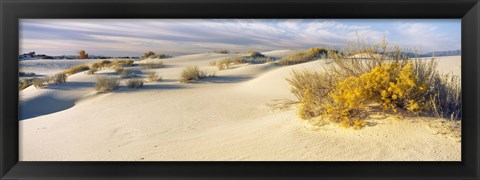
column 466, row 10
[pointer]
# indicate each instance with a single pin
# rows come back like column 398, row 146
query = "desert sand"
column 226, row 117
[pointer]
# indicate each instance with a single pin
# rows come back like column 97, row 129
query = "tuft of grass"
column 152, row 76
column 160, row 56
column 134, row 83
column 24, row 83
column 101, row 64
column 40, row 83
column 152, row 65
column 305, row 56
column 226, row 63
column 91, row 71
column 118, row 69
column 125, row 73
column 106, row 84
column 59, row 78
column 76, row 69
column 192, row 73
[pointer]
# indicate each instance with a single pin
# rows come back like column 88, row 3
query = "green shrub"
column 106, row 84
column 305, row 56
column 134, row 83
column 76, row 69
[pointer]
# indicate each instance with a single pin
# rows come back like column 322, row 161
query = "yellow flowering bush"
column 392, row 85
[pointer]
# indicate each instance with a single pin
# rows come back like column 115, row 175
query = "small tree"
column 148, row 54
column 82, row 55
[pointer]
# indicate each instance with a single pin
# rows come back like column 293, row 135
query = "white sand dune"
column 220, row 118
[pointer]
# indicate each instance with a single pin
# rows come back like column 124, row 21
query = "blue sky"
column 133, row 37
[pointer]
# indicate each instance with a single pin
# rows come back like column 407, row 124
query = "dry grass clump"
column 122, row 63
column 305, row 56
column 152, row 65
column 348, row 88
column 118, row 69
column 192, row 73
column 91, row 71
column 127, row 73
column 76, row 69
column 226, row 63
column 24, row 83
column 152, row 76
column 106, row 84
column 58, row 78
column 101, row 64
column 134, row 83
column 39, row 83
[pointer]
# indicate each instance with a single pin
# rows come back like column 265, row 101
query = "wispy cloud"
column 135, row 36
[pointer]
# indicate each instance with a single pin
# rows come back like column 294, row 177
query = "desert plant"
column 152, row 64
column 222, row 51
column 76, row 69
column 59, row 78
column 105, row 83
column 160, row 56
column 40, row 82
column 123, row 63
column 125, row 73
column 24, row 83
column 305, row 56
column 118, row 69
column 152, row 76
column 101, row 64
column 192, row 73
column 91, row 71
column 342, row 92
column 134, row 83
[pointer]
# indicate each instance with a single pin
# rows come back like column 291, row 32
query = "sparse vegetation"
column 226, row 63
column 152, row 76
column 213, row 63
column 222, row 51
column 192, row 73
column 348, row 88
column 39, row 83
column 160, row 56
column 134, row 83
column 59, row 78
column 91, row 71
column 152, row 64
column 118, row 69
column 302, row 57
column 106, row 84
column 76, row 69
column 148, row 54
column 101, row 64
column 254, row 54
